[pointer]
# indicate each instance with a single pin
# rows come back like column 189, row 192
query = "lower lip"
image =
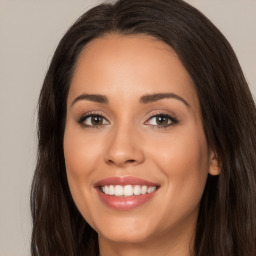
column 125, row 202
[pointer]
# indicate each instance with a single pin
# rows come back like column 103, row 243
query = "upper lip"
column 129, row 180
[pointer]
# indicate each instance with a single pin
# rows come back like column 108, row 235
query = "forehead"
column 130, row 66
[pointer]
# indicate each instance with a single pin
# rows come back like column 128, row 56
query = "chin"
column 129, row 231
column 123, row 236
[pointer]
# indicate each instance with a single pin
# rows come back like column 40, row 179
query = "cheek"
column 183, row 159
column 81, row 152
column 80, row 160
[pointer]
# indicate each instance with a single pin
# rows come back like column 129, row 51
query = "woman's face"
column 136, row 155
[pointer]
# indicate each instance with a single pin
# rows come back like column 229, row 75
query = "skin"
column 131, row 143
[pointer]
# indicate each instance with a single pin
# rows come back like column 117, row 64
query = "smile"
column 125, row 193
column 127, row 190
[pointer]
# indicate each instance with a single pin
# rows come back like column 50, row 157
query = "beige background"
column 29, row 33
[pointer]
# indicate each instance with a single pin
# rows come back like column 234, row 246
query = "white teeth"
column 137, row 190
column 127, row 190
column 119, row 191
column 149, row 190
column 106, row 190
column 144, row 190
column 111, row 190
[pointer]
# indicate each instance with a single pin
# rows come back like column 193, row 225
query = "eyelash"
column 90, row 115
column 171, row 120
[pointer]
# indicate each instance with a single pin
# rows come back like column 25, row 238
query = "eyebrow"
column 91, row 97
column 159, row 96
column 145, row 99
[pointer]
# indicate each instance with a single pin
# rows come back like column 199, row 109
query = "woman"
column 146, row 138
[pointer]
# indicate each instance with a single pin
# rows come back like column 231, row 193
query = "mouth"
column 127, row 190
column 125, row 193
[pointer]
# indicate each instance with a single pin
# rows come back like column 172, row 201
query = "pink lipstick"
column 125, row 193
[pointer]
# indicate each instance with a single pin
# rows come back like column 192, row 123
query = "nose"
column 124, row 148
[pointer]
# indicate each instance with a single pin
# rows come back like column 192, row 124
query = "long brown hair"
column 227, row 219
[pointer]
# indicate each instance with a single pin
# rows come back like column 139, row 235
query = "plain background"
column 29, row 33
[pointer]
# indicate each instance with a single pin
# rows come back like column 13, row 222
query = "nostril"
column 120, row 163
column 130, row 161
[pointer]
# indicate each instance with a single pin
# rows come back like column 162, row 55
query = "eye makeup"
column 162, row 120
column 93, row 119
column 157, row 119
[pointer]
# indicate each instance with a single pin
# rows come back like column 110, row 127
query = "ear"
column 214, row 164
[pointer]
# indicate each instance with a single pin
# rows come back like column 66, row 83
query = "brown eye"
column 96, row 120
column 162, row 120
column 93, row 120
